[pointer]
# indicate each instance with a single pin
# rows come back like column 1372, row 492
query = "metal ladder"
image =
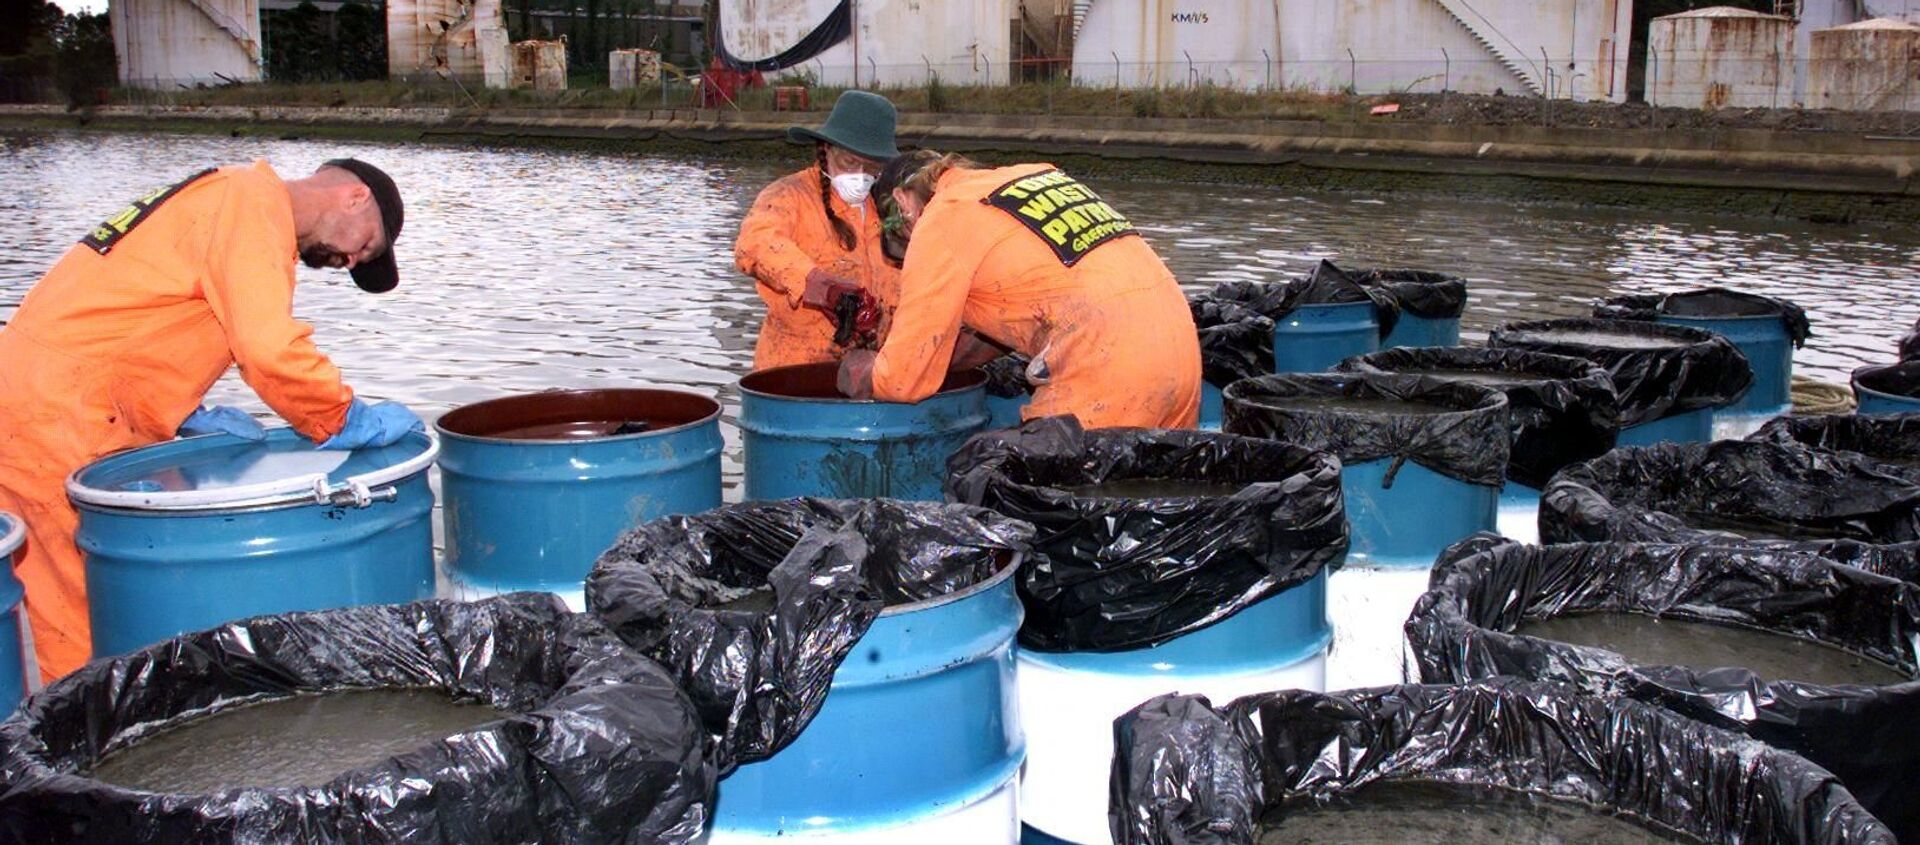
column 1521, row 67
column 231, row 27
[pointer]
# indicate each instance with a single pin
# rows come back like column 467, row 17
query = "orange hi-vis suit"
column 114, row 350
column 787, row 234
column 1036, row 262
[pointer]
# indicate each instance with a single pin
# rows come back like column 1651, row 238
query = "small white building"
column 166, row 44
column 1865, row 66
column 1720, row 57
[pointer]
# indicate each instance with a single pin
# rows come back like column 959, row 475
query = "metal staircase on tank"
column 1521, row 67
column 231, row 27
column 1079, row 12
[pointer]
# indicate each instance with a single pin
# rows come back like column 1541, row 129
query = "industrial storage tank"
column 1568, row 49
column 449, row 39
column 164, row 44
column 1720, row 57
column 874, row 42
column 1867, row 66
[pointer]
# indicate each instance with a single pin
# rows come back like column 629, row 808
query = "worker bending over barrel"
column 812, row 241
column 116, row 345
column 1034, row 261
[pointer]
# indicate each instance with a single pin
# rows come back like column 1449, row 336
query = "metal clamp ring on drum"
column 291, row 490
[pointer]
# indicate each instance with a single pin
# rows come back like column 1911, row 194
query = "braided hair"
column 841, row 229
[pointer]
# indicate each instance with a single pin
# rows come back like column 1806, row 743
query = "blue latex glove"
column 222, row 419
column 374, row 425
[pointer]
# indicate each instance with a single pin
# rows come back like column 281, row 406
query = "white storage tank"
column 165, row 44
column 1720, row 57
column 886, row 42
column 632, row 68
column 1867, row 66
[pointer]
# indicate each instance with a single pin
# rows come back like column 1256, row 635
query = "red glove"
column 824, row 290
column 856, row 374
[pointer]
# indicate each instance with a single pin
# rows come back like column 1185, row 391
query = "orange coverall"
column 1112, row 333
column 113, row 351
column 787, row 234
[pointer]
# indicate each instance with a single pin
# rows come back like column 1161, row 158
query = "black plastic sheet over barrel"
column 1470, row 446
column 1111, row 574
column 1892, row 441
column 759, row 676
column 1652, row 383
column 1485, row 587
column 1730, row 490
column 1900, row 379
column 1909, row 346
column 1422, row 293
column 1236, row 342
column 1326, row 285
column 1707, row 302
column 602, row 746
column 1188, row 774
column 1570, row 415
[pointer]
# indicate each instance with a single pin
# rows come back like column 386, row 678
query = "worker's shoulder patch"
column 110, row 231
column 1063, row 212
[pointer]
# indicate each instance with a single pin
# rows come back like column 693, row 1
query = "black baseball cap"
column 381, row 274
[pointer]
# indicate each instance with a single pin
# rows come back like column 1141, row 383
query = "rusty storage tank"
column 443, row 39
column 1720, row 57
column 540, row 65
column 1865, row 66
column 538, row 485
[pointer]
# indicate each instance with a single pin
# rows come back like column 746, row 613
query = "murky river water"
column 525, row 270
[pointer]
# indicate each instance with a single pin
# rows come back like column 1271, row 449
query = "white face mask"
column 853, row 187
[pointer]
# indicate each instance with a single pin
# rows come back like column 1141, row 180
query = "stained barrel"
column 188, row 534
column 1888, row 389
column 803, row 438
column 13, row 655
column 1313, row 338
column 537, row 486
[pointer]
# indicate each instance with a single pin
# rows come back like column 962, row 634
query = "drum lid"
column 219, row 471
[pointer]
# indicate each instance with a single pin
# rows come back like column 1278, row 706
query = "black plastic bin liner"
column 1470, row 446
column 1902, row 379
column 1485, row 587
column 1708, row 302
column 1185, row 773
column 1326, row 285
column 1007, row 377
column 1654, row 383
column 1909, row 346
column 1731, row 490
column 1891, row 440
column 759, row 675
column 1114, row 574
column 1570, row 415
column 603, row 747
column 1422, row 293
column 1236, row 342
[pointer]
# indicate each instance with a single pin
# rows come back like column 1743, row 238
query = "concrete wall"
column 896, row 42
column 1720, row 58
column 1396, row 45
column 163, row 44
column 441, row 38
column 1868, row 66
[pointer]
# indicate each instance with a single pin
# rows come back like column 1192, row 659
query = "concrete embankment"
column 1819, row 176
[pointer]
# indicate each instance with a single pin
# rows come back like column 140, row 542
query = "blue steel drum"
column 1004, row 411
column 13, row 654
column 1690, row 427
column 1212, row 407
column 1416, row 331
column 1313, row 338
column 802, row 438
column 1769, row 349
column 537, row 486
column 919, row 739
column 185, row 535
column 1068, row 700
column 1884, row 389
column 1407, row 524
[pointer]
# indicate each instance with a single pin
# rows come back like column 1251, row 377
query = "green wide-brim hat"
column 861, row 122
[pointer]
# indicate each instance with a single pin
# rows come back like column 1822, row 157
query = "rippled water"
column 526, row 269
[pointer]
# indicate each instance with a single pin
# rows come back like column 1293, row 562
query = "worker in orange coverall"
column 812, row 241
column 1034, row 261
column 116, row 345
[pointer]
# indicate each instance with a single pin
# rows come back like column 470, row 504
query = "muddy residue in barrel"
column 579, row 414
column 1651, row 641
column 1358, row 406
column 1611, row 340
column 306, row 740
column 753, row 601
column 1157, row 488
column 1433, row 814
column 821, row 381
column 1486, row 378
